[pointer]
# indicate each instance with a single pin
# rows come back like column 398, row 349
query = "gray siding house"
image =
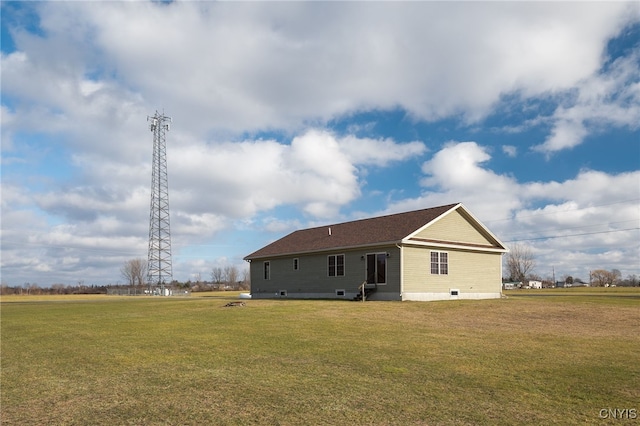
column 439, row 253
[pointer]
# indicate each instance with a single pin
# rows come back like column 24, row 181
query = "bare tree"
column 246, row 279
column 617, row 276
column 127, row 272
column 231, row 275
column 31, row 288
column 520, row 262
column 57, row 288
column 135, row 271
column 602, row 278
column 216, row 275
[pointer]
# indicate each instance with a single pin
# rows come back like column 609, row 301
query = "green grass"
column 164, row 361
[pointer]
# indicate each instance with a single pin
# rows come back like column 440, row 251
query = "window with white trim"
column 335, row 265
column 439, row 263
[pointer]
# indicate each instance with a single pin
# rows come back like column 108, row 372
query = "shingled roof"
column 378, row 230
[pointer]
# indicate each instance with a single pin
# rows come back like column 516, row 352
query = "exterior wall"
column 453, row 227
column 311, row 280
column 475, row 275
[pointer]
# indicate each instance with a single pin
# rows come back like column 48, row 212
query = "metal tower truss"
column 159, row 260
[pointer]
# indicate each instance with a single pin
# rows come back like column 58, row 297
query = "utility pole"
column 160, row 269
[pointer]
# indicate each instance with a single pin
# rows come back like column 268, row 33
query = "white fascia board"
column 408, row 242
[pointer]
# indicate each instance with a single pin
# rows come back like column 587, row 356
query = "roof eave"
column 323, row 250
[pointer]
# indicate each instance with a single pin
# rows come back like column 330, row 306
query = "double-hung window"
column 439, row 263
column 335, row 265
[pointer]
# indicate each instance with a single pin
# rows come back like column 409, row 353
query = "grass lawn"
column 107, row 360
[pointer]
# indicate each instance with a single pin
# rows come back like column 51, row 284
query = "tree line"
column 35, row 289
column 134, row 274
column 229, row 277
column 520, row 263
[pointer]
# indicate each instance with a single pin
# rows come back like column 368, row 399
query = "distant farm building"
column 511, row 285
column 535, row 284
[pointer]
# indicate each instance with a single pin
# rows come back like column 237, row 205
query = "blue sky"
column 288, row 115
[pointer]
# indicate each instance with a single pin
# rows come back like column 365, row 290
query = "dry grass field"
column 559, row 358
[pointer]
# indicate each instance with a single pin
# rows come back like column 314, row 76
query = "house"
column 535, row 284
column 439, row 253
column 511, row 285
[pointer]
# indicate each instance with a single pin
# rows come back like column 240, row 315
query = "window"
column 377, row 268
column 283, row 293
column 341, row 293
column 296, row 264
column 335, row 265
column 267, row 270
column 439, row 263
column 444, row 263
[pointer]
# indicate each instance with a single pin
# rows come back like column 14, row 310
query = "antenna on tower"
column 159, row 260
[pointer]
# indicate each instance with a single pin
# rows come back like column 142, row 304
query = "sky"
column 288, row 115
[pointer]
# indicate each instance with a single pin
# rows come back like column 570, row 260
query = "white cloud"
column 316, row 171
column 455, row 174
column 565, row 134
column 609, row 98
column 378, row 152
column 588, row 187
column 277, row 226
column 593, row 217
column 510, row 150
column 254, row 66
column 188, row 225
column 240, row 179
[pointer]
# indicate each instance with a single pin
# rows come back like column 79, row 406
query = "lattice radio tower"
column 159, row 260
